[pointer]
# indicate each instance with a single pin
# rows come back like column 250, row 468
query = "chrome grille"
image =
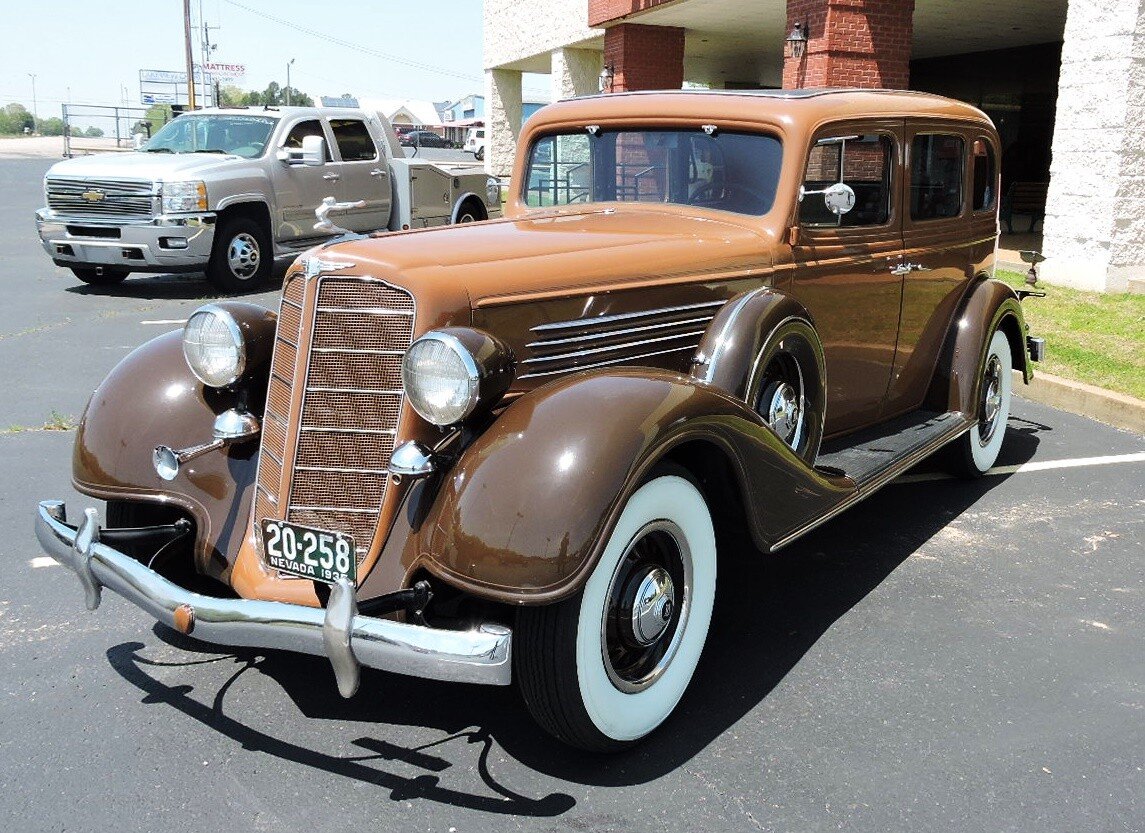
column 348, row 396
column 623, row 338
column 121, row 197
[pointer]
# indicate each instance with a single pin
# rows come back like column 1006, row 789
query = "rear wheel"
column 479, row 154
column 976, row 451
column 605, row 668
column 100, row 275
column 470, row 212
column 241, row 257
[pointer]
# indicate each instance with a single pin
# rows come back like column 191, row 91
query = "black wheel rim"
column 641, row 634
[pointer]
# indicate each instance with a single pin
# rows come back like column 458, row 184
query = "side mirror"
column 313, row 150
column 839, row 198
column 289, row 156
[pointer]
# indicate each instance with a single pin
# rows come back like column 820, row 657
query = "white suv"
column 475, row 142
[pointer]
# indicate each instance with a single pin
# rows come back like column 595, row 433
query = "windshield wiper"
column 158, row 150
column 212, row 150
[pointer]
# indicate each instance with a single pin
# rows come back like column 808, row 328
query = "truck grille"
column 100, row 197
column 346, row 391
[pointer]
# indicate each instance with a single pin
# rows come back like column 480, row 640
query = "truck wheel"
column 976, row 451
column 470, row 212
column 604, row 668
column 104, row 276
column 479, row 154
column 241, row 257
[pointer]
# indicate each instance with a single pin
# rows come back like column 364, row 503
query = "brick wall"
column 602, row 11
column 851, row 43
column 644, row 57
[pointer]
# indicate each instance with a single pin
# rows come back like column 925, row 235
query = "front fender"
column 151, row 398
column 526, row 510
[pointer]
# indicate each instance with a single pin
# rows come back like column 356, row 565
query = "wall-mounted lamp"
column 796, row 43
column 607, row 75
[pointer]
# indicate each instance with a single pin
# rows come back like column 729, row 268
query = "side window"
column 294, row 138
column 560, row 171
column 863, row 163
column 985, row 175
column 936, row 176
column 354, row 142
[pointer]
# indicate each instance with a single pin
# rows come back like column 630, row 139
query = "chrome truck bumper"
column 337, row 632
column 165, row 243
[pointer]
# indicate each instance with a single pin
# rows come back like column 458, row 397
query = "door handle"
column 330, row 177
column 377, row 172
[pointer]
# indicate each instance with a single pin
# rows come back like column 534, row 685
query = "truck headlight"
column 214, row 346
column 184, row 196
column 456, row 372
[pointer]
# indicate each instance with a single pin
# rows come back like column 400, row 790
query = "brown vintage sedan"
column 502, row 451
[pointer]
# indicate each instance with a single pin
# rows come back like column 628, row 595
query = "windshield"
column 245, row 136
column 727, row 171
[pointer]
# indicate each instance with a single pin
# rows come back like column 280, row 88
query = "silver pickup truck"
column 226, row 191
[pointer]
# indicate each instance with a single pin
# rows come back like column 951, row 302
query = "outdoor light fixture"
column 796, row 42
column 606, row 78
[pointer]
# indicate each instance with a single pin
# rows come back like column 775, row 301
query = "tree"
column 14, row 118
column 51, row 126
column 93, row 132
column 232, row 96
column 272, row 96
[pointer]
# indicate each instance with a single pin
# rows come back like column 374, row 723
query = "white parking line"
column 166, row 321
column 44, row 561
column 1023, row 468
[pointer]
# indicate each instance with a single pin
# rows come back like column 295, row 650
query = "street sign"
column 157, row 86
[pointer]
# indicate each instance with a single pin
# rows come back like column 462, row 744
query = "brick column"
column 851, row 43
column 644, row 57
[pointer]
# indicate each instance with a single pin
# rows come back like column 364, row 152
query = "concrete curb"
column 1116, row 409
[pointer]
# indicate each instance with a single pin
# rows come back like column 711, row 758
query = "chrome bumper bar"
column 337, row 632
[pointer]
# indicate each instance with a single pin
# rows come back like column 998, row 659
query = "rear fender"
column 525, row 511
column 151, row 398
column 989, row 305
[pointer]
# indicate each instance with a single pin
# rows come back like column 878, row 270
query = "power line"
column 350, row 45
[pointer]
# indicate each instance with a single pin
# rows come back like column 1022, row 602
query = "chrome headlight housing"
column 454, row 373
column 180, row 197
column 214, row 346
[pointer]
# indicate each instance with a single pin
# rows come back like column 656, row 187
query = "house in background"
column 1058, row 77
column 469, row 112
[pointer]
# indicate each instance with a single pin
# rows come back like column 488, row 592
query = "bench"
column 1024, row 198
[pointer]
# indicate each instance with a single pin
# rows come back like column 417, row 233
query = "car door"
column 845, row 264
column 364, row 176
column 938, row 247
column 299, row 188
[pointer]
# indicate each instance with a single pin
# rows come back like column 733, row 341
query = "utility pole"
column 35, row 117
column 190, row 59
column 205, row 50
column 288, row 90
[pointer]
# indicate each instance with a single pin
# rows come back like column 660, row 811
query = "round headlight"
column 214, row 347
column 441, row 378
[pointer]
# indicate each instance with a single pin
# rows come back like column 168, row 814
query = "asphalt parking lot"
column 947, row 656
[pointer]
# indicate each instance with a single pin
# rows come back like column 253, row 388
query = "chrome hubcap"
column 243, row 256
column 991, row 399
column 648, row 606
column 784, row 414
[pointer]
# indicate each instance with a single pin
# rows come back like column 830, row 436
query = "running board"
column 874, row 457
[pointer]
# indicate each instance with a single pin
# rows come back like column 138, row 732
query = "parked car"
column 502, row 452
column 227, row 191
column 475, row 142
column 424, row 139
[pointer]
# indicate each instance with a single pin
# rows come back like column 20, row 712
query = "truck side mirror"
column 313, row 150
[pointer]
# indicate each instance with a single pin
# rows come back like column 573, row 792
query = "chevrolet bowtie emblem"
column 313, row 266
column 94, row 195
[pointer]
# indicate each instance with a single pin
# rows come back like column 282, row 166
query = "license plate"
column 310, row 553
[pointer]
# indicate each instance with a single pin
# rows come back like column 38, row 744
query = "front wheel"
column 100, row 275
column 976, row 451
column 603, row 669
column 241, row 257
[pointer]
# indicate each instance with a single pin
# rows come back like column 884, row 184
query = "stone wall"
column 1095, row 213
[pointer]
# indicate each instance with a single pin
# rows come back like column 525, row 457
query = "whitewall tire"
column 977, row 451
column 606, row 667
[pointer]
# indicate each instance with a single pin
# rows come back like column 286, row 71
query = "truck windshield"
column 727, row 171
column 213, row 133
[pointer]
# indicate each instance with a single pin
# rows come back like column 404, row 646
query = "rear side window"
column 354, row 142
column 936, row 176
column 861, row 162
column 985, row 175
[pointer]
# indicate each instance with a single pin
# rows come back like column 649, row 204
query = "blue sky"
column 93, row 51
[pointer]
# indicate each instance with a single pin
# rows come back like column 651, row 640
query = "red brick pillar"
column 644, row 57
column 851, row 43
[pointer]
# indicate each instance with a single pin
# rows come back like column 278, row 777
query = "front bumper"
column 141, row 245
column 337, row 632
